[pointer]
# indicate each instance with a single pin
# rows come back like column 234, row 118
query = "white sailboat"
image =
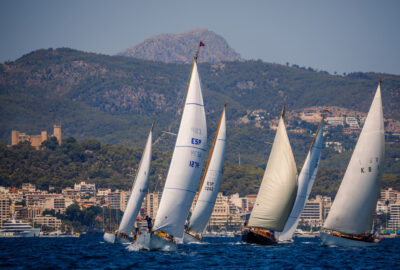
column 209, row 186
column 277, row 193
column 350, row 219
column 184, row 172
column 306, row 181
column 139, row 189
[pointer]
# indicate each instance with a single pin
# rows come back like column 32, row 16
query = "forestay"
column 139, row 189
column 186, row 164
column 279, row 185
column 306, row 181
column 212, row 180
column 354, row 206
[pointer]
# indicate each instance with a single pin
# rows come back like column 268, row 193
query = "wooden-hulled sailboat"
column 277, row 192
column 184, row 171
column 350, row 219
column 209, row 186
column 306, row 181
column 139, row 189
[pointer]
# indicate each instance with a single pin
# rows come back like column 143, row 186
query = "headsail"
column 278, row 189
column 306, row 181
column 354, row 206
column 211, row 180
column 186, row 164
column 139, row 189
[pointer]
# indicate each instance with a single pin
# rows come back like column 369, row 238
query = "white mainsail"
column 186, row 164
column 354, row 206
column 139, row 189
column 278, row 189
column 306, row 181
column 211, row 181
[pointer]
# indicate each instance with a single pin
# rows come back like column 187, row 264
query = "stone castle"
column 35, row 140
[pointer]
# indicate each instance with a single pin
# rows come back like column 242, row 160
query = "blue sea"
column 90, row 252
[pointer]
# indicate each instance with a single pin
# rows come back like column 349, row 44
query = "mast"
column 278, row 188
column 186, row 163
column 354, row 206
column 211, row 180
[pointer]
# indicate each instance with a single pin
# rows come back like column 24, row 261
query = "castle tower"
column 57, row 133
column 44, row 136
column 14, row 137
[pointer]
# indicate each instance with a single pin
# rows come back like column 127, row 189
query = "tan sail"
column 278, row 189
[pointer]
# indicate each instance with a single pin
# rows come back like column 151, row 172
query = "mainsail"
column 139, row 189
column 278, row 189
column 211, row 181
column 354, row 206
column 306, row 181
column 186, row 164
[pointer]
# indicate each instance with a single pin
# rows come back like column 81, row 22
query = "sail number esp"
column 196, row 141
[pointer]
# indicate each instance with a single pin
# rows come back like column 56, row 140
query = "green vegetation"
column 114, row 167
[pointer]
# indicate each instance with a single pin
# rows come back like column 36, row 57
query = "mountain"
column 180, row 48
column 114, row 99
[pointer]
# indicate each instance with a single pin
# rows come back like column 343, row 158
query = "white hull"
column 188, row 239
column 334, row 241
column 28, row 233
column 113, row 239
column 151, row 242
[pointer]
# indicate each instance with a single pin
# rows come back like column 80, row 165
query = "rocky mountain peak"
column 180, row 48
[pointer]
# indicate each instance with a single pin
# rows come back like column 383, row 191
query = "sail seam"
column 181, row 189
column 198, row 104
column 189, row 146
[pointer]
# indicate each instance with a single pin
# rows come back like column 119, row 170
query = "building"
column 390, row 195
column 28, row 187
column 85, row 190
column 352, row 122
column 335, row 120
column 48, row 221
column 35, row 140
column 124, row 199
column 4, row 209
column 114, row 200
column 337, row 146
column 394, row 220
column 150, row 204
column 315, row 211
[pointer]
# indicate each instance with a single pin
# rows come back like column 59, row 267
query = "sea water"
column 91, row 252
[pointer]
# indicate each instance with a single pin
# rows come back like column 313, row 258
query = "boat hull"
column 255, row 238
column 113, row 239
column 335, row 241
column 189, row 239
column 152, row 242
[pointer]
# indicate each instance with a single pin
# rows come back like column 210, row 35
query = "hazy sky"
column 342, row 36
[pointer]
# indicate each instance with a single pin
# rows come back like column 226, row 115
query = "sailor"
column 149, row 224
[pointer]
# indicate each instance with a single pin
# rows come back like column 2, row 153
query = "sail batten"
column 139, row 189
column 354, row 206
column 211, row 180
column 186, row 163
column 278, row 188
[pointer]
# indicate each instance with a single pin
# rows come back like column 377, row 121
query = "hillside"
column 114, row 100
column 180, row 48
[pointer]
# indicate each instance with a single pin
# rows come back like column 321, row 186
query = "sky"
column 336, row 36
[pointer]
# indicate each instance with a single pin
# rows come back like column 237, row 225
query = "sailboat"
column 306, row 181
column 351, row 216
column 139, row 189
column 184, row 171
column 277, row 192
column 209, row 186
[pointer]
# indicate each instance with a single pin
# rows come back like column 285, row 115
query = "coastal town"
column 31, row 205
